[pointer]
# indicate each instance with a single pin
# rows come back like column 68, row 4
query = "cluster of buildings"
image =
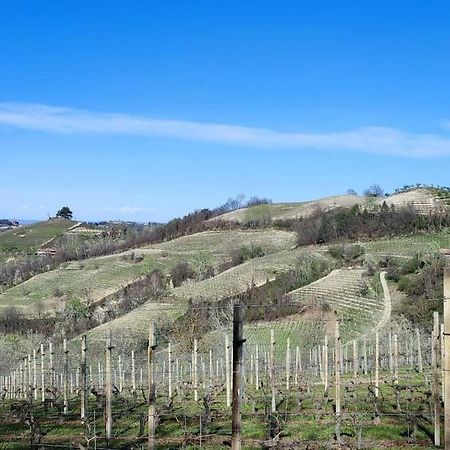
column 7, row 224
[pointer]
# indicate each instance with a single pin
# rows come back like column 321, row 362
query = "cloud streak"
column 370, row 139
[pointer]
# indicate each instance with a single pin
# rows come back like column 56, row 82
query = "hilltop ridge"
column 423, row 199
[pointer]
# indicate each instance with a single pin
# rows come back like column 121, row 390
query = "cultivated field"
column 96, row 278
column 349, row 294
column 229, row 283
column 224, row 243
column 285, row 211
column 376, row 393
column 323, row 366
column 424, row 200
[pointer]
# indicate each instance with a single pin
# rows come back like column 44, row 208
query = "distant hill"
column 423, row 199
column 286, row 211
column 28, row 238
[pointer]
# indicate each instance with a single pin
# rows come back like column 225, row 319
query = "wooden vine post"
column 377, row 363
column 83, row 369
column 227, row 372
column 446, row 380
column 396, row 361
column 151, row 387
column 337, row 376
column 42, row 374
column 50, row 365
column 169, row 367
column 325, row 363
column 133, row 371
column 195, row 369
column 434, row 364
column 272, row 369
column 108, row 386
column 35, row 375
column 66, row 377
column 238, row 344
column 419, row 352
column 257, row 367
column 355, row 360
column 288, row 362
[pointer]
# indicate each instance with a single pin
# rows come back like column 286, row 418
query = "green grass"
column 408, row 245
column 27, row 239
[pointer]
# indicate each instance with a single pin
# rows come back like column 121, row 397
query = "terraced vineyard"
column 423, row 200
column 286, row 211
column 288, row 362
column 349, row 294
column 92, row 279
column 226, row 242
column 224, row 285
column 232, row 282
column 96, row 278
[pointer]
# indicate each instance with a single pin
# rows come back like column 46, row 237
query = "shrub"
column 347, row 252
column 424, row 291
column 258, row 216
column 247, row 252
column 181, row 272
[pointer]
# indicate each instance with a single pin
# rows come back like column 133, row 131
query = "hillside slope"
column 95, row 278
column 286, row 211
column 230, row 283
column 348, row 293
column 424, row 200
column 27, row 239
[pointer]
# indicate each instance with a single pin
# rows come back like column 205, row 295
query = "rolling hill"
column 286, row 211
column 28, row 238
column 231, row 282
column 96, row 278
column 424, row 200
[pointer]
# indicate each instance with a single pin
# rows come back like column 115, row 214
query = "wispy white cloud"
column 370, row 139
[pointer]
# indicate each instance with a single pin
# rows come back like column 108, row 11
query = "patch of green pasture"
column 28, row 238
column 408, row 245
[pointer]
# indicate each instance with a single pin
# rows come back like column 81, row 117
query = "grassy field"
column 27, row 239
column 408, row 245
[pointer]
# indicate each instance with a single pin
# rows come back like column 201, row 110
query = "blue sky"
column 148, row 110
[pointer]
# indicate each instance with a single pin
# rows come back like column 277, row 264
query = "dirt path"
column 386, row 317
